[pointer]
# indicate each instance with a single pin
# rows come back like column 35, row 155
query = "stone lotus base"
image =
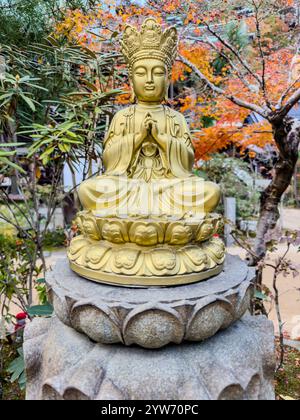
column 236, row 364
column 151, row 317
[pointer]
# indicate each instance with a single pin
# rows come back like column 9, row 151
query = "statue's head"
column 149, row 79
column 150, row 55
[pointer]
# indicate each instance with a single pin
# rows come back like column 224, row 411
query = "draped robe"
column 148, row 180
column 119, row 144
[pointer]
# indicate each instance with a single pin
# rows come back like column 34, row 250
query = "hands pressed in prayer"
column 150, row 126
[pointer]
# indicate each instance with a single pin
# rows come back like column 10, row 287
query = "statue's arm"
column 182, row 131
column 115, row 131
column 182, row 134
column 118, row 146
column 186, row 136
column 180, row 150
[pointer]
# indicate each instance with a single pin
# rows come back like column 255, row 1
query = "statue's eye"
column 159, row 73
column 140, row 73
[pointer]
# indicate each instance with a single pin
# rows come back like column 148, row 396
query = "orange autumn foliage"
column 229, row 128
column 214, row 139
column 201, row 57
column 124, row 98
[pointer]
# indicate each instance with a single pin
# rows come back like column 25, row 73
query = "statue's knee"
column 217, row 192
column 84, row 192
column 213, row 195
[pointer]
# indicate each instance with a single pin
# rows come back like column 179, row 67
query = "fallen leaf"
column 286, row 398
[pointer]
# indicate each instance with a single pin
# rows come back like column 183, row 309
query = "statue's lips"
column 150, row 88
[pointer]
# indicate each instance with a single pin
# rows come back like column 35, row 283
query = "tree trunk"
column 295, row 187
column 287, row 136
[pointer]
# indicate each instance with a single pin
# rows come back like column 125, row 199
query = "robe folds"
column 148, row 180
column 119, row 145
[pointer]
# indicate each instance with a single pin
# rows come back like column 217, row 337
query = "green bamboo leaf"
column 90, row 85
column 40, row 310
column 22, row 381
column 26, row 131
column 6, row 95
column 29, row 102
column 4, row 103
column 6, row 153
column 24, row 79
column 12, row 144
column 16, row 374
column 9, row 78
column 260, row 295
column 52, row 41
column 37, row 126
column 17, row 368
column 63, row 128
column 79, row 94
column 65, row 148
column 33, row 150
column 47, row 152
column 7, row 162
column 66, row 140
column 41, row 48
column 14, row 365
column 71, row 134
column 37, row 87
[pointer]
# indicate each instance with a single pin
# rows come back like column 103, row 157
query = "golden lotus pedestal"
column 143, row 253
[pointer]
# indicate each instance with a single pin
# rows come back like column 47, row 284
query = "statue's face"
column 150, row 80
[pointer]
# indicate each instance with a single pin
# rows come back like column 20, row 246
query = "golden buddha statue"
column 148, row 220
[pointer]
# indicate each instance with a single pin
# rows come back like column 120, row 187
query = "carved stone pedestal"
column 81, row 352
column 236, row 364
column 151, row 317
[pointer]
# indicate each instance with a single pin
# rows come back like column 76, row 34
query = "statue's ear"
column 132, row 97
column 166, row 98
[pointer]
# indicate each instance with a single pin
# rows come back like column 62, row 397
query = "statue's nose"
column 149, row 78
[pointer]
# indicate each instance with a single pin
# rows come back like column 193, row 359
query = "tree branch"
column 285, row 94
column 262, row 55
column 237, row 101
column 294, row 99
column 232, row 49
column 223, row 55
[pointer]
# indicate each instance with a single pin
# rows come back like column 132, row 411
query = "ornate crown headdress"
column 150, row 42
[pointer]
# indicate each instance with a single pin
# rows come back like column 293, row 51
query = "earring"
column 166, row 97
column 132, row 97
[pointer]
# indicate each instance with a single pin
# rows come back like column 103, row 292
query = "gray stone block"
column 236, row 364
column 151, row 317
